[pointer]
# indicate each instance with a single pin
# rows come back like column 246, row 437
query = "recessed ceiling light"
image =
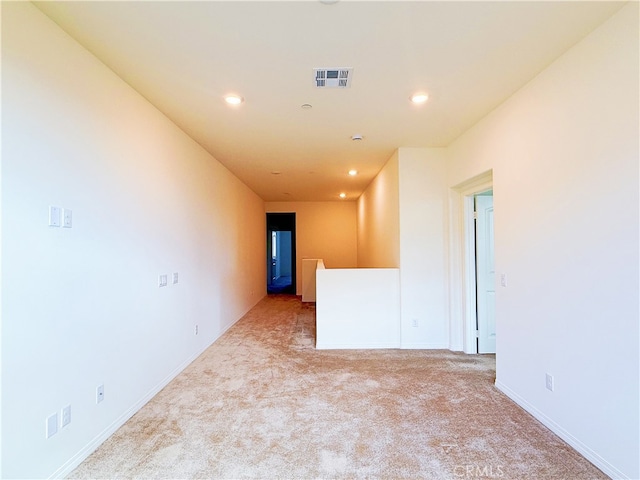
column 343, row 195
column 275, row 172
column 306, row 106
column 233, row 99
column 419, row 97
column 357, row 136
column 353, row 172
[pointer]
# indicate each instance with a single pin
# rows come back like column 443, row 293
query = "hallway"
column 261, row 402
column 280, row 285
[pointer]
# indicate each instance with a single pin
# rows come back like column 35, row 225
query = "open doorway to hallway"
column 281, row 253
column 472, row 266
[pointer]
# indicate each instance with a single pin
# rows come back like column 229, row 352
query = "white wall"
column 309, row 267
column 378, row 220
column 564, row 153
column 325, row 230
column 402, row 222
column 422, row 207
column 357, row 308
column 81, row 306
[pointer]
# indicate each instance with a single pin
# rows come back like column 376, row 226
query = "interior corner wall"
column 422, row 207
column 325, row 230
column 378, row 220
column 564, row 154
column 81, row 306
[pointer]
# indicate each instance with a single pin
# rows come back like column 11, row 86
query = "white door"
column 485, row 275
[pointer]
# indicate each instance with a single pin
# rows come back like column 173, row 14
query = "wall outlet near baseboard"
column 99, row 393
column 549, row 381
column 195, row 330
column 414, row 322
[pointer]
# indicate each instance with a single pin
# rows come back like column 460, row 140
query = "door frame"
column 283, row 222
column 462, row 262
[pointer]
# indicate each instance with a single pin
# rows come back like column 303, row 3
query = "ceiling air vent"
column 333, row 77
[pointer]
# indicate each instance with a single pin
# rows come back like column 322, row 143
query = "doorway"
column 281, row 253
column 465, row 325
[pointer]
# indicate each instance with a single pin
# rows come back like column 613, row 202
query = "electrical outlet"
column 414, row 322
column 162, row 281
column 195, row 330
column 175, row 278
column 67, row 218
column 550, row 382
column 66, row 416
column 99, row 393
column 503, row 279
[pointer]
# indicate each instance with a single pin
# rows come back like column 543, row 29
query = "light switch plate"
column 52, row 425
column 54, row 216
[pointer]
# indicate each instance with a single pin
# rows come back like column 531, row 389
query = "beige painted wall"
column 324, row 230
column 564, row 153
column 378, row 220
column 402, row 222
column 148, row 200
column 81, row 306
column 422, row 203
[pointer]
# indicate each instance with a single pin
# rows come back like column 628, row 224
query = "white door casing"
column 485, row 275
column 462, row 262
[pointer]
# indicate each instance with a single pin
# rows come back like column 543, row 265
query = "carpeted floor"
column 263, row 403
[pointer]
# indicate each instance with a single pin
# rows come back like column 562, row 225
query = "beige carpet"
column 263, row 403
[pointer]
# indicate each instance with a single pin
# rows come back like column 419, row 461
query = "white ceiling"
column 185, row 56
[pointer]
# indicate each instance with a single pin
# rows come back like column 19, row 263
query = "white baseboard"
column 423, row 346
column 354, row 346
column 91, row 447
column 580, row 447
column 370, row 346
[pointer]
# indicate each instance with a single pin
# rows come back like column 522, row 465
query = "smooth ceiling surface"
column 185, row 56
